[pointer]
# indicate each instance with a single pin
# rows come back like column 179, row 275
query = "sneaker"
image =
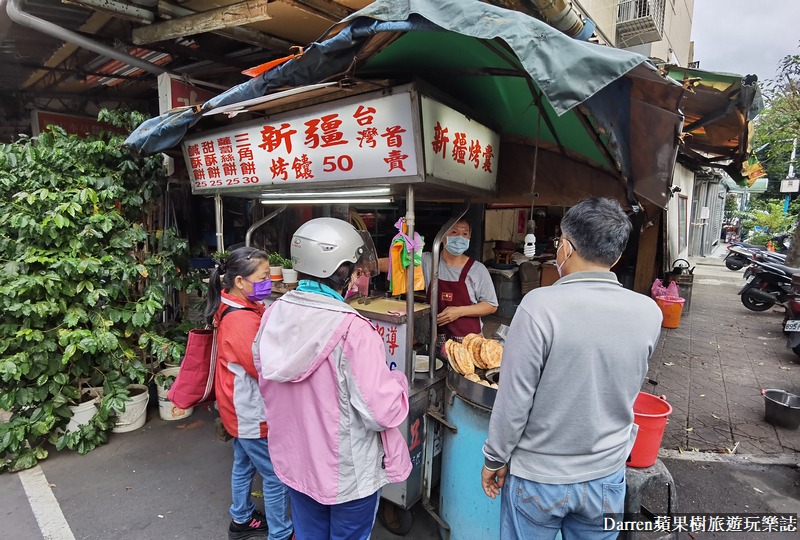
column 255, row 527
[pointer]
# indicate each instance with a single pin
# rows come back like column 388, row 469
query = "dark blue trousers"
column 346, row 521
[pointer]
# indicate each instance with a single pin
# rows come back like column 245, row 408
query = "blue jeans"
column 535, row 511
column 249, row 456
column 352, row 520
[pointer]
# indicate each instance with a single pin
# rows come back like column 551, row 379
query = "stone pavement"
column 712, row 369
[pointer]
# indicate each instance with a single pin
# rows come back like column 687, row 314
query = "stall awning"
column 606, row 108
column 719, row 110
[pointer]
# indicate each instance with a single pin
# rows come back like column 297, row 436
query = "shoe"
column 255, row 527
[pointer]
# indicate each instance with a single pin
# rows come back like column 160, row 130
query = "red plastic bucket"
column 671, row 307
column 650, row 414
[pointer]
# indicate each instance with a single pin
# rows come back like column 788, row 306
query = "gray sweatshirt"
column 575, row 358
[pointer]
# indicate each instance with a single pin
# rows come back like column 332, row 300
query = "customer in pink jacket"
column 332, row 404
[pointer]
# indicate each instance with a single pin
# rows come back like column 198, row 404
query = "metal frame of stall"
column 426, row 394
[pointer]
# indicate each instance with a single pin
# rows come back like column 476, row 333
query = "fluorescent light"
column 347, row 200
column 290, row 194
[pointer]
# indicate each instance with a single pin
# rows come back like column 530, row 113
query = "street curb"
column 759, row 459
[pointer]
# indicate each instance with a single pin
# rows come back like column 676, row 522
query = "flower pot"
column 135, row 414
column 166, row 410
column 289, row 275
column 82, row 413
column 276, row 273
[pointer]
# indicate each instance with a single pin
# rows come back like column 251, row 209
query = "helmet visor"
column 367, row 263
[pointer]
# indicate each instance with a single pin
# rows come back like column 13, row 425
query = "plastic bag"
column 658, row 289
column 399, row 260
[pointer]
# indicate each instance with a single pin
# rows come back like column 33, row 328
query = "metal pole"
column 16, row 14
column 434, row 285
column 410, row 222
column 794, row 155
column 259, row 223
column 219, row 224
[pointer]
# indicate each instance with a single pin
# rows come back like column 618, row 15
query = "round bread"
column 473, row 377
column 475, row 348
column 468, row 339
column 494, row 385
column 491, row 354
column 451, row 350
column 464, row 359
column 484, row 383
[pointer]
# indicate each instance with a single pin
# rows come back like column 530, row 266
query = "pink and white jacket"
column 332, row 404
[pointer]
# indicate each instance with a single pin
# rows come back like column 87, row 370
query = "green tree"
column 82, row 284
column 772, row 220
column 776, row 127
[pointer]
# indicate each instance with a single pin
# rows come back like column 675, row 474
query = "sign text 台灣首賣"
column 373, row 138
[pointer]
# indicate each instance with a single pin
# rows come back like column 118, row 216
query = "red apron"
column 455, row 293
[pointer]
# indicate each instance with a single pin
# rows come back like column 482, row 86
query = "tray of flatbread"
column 469, row 362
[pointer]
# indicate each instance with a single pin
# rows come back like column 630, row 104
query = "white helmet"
column 321, row 245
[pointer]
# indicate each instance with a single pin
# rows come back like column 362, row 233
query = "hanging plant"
column 82, row 285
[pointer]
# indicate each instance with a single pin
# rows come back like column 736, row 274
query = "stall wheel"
column 396, row 520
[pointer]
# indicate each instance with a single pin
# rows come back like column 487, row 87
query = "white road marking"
column 46, row 509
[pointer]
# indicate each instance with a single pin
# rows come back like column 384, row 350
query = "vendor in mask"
column 466, row 292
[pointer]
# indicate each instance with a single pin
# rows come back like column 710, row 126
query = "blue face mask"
column 457, row 245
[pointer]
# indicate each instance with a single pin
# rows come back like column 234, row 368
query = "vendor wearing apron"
column 466, row 292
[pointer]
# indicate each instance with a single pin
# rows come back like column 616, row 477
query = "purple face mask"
column 261, row 290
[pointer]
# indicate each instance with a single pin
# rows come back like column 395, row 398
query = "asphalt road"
column 171, row 480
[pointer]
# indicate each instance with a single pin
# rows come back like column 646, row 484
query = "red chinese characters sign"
column 458, row 148
column 76, row 125
column 394, row 340
column 366, row 139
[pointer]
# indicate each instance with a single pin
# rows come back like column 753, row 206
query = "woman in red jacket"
column 235, row 291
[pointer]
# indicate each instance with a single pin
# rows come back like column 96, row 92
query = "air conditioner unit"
column 640, row 22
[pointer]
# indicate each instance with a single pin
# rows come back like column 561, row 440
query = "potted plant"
column 164, row 381
column 289, row 274
column 275, row 267
column 90, row 279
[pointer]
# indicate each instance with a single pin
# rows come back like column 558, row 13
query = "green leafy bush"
column 82, row 284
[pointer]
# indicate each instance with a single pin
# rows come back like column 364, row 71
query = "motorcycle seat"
column 788, row 270
column 753, row 247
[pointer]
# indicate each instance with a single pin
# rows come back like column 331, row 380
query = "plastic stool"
column 637, row 480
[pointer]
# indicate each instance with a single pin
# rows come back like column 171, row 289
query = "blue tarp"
column 568, row 72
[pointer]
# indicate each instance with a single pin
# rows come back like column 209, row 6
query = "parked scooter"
column 738, row 257
column 791, row 322
column 768, row 283
column 740, row 253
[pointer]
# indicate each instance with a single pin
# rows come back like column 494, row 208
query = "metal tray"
column 480, row 395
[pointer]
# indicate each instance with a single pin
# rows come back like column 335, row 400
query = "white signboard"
column 790, row 185
column 457, row 148
column 373, row 138
column 394, row 340
column 705, row 212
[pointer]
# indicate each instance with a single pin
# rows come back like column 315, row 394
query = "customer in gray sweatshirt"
column 575, row 358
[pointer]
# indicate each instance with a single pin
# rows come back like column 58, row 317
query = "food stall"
column 409, row 100
column 363, row 148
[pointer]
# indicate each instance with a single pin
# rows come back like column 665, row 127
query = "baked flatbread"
column 468, row 339
column 473, row 377
column 491, row 354
column 475, row 349
column 465, row 363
